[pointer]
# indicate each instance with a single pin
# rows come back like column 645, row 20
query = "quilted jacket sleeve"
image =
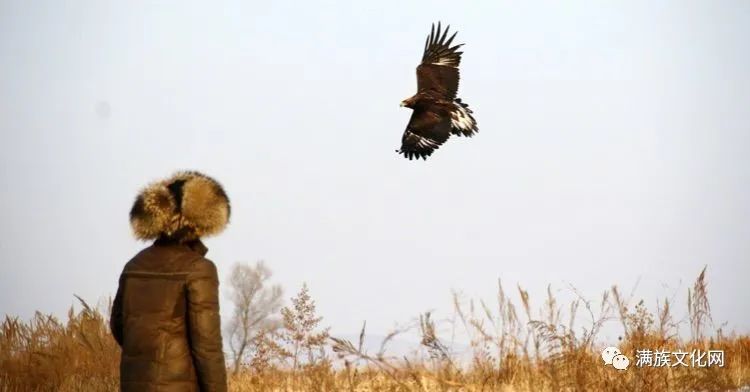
column 205, row 326
column 115, row 319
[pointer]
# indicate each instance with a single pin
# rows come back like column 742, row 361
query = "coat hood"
column 184, row 207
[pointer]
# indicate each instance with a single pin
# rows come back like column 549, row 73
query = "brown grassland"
column 513, row 348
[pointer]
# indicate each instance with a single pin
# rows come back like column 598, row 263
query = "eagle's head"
column 409, row 102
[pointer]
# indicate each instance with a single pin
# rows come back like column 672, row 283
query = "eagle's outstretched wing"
column 424, row 134
column 438, row 71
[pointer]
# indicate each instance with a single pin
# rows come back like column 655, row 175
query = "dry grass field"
column 513, row 348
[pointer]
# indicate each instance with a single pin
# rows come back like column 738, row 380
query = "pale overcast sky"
column 613, row 147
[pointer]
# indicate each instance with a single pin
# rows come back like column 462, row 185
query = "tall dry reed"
column 513, row 346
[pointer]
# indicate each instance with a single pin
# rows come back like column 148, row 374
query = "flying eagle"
column 437, row 112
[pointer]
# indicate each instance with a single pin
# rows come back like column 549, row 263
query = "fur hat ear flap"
column 152, row 214
column 186, row 206
column 205, row 205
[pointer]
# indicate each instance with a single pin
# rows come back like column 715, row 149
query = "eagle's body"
column 437, row 112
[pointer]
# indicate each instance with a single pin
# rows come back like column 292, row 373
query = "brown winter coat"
column 165, row 315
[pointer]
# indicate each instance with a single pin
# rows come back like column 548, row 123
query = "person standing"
column 165, row 315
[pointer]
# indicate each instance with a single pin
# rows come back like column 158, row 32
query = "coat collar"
column 196, row 246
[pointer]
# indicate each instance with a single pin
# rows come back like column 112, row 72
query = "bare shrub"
column 300, row 332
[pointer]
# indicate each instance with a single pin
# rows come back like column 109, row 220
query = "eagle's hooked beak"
column 403, row 104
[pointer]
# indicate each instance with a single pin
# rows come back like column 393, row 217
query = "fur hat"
column 185, row 207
